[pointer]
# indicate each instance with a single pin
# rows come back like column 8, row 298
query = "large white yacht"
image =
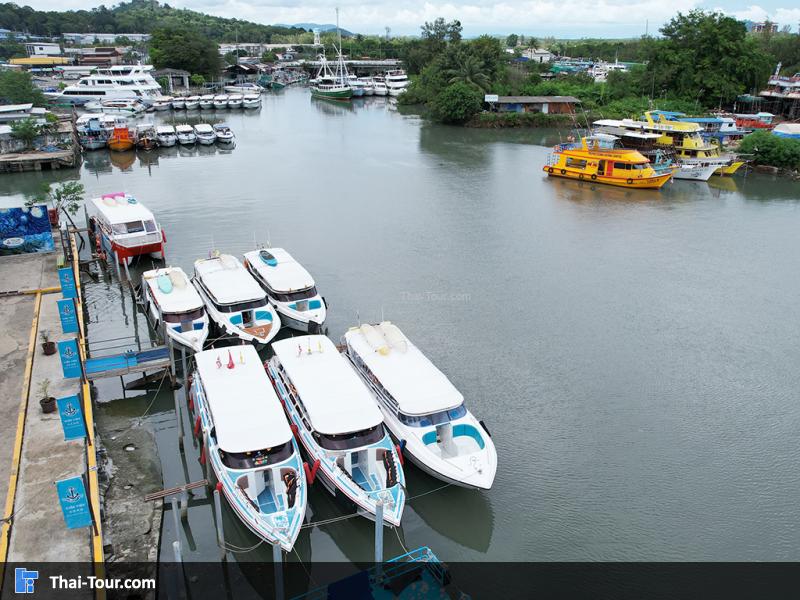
column 115, row 82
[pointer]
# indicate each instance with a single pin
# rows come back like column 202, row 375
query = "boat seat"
column 266, row 501
column 360, row 478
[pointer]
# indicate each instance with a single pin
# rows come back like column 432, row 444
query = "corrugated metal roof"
column 40, row 60
column 538, row 100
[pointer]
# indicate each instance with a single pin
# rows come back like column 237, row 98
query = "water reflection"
column 333, row 108
column 122, row 160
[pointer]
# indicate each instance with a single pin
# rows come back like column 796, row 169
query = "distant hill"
column 323, row 28
column 136, row 16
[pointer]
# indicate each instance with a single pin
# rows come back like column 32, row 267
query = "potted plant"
column 48, row 347
column 46, row 401
column 66, row 198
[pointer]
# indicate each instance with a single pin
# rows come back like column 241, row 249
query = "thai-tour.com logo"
column 24, row 580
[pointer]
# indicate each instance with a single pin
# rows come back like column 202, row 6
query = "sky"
column 559, row 18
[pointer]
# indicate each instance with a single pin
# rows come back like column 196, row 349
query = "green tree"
column 456, row 104
column 26, row 130
column 197, row 80
column 16, row 87
column 512, row 41
column 65, row 197
column 768, row 149
column 471, row 71
column 185, row 48
column 269, row 57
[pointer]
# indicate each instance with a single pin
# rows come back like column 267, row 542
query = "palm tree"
column 470, row 71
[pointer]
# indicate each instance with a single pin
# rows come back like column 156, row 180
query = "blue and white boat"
column 173, row 302
column 339, row 426
column 421, row 407
column 290, row 288
column 249, row 443
column 235, row 302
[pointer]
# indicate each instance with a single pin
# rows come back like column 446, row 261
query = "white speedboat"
column 205, row 134
column 290, row 288
column 251, row 101
column 369, row 87
column 234, row 300
column 337, row 422
column 396, row 82
column 179, row 102
column 235, row 101
column 357, row 85
column 249, row 444
column 125, row 227
column 162, row 103
column 379, row 86
column 421, row 408
column 221, row 101
column 192, row 102
column 695, row 171
column 207, row 101
column 174, row 304
column 128, row 107
column 166, row 136
column 244, row 88
column 185, row 135
column 224, row 134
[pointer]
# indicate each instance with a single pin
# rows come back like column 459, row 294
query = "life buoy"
column 550, row 170
column 563, row 171
column 594, row 176
column 630, row 181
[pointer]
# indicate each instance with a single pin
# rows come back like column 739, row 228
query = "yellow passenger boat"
column 596, row 159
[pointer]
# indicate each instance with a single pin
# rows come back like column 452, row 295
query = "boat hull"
column 631, row 182
column 341, row 95
column 729, row 169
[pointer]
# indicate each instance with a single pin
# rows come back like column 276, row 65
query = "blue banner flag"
column 69, row 318
column 74, row 502
column 67, row 279
column 71, row 413
column 70, row 359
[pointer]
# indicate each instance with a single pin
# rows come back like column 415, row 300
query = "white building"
column 539, row 55
column 104, row 38
column 43, row 49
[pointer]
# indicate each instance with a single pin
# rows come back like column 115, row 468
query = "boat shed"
column 554, row 105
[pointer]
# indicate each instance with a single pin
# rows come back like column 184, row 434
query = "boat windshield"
column 346, row 441
column 184, row 316
column 134, row 227
column 292, row 296
column 257, row 458
column 240, row 306
column 437, row 418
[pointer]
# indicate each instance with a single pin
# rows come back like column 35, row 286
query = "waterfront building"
column 554, row 105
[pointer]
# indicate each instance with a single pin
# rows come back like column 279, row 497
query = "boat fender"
column 202, row 455
column 630, row 181
column 163, row 236
column 293, row 427
column 311, row 473
column 191, row 402
column 197, row 426
column 550, row 170
column 218, row 487
column 399, row 449
column 563, row 171
column 594, row 176
column 485, row 428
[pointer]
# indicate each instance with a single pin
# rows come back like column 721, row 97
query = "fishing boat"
column 179, row 102
column 421, row 408
column 162, row 103
column 221, row 101
column 235, row 101
column 290, row 288
column 185, row 134
column 396, row 82
column 751, row 122
column 249, row 444
column 192, row 102
column 357, row 85
column 204, row 134
column 596, row 159
column 92, row 131
column 206, row 101
column 128, row 107
column 695, row 171
column 339, row 426
column 124, row 227
column 166, row 136
column 173, row 303
column 234, row 300
column 330, row 86
column 251, row 101
column 787, row 130
column 224, row 134
column 121, row 138
column 244, row 88
column 146, row 137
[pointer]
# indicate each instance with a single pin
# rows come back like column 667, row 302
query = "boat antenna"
column 358, row 317
column 382, row 319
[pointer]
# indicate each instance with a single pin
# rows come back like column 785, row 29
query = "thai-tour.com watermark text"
column 27, row 581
